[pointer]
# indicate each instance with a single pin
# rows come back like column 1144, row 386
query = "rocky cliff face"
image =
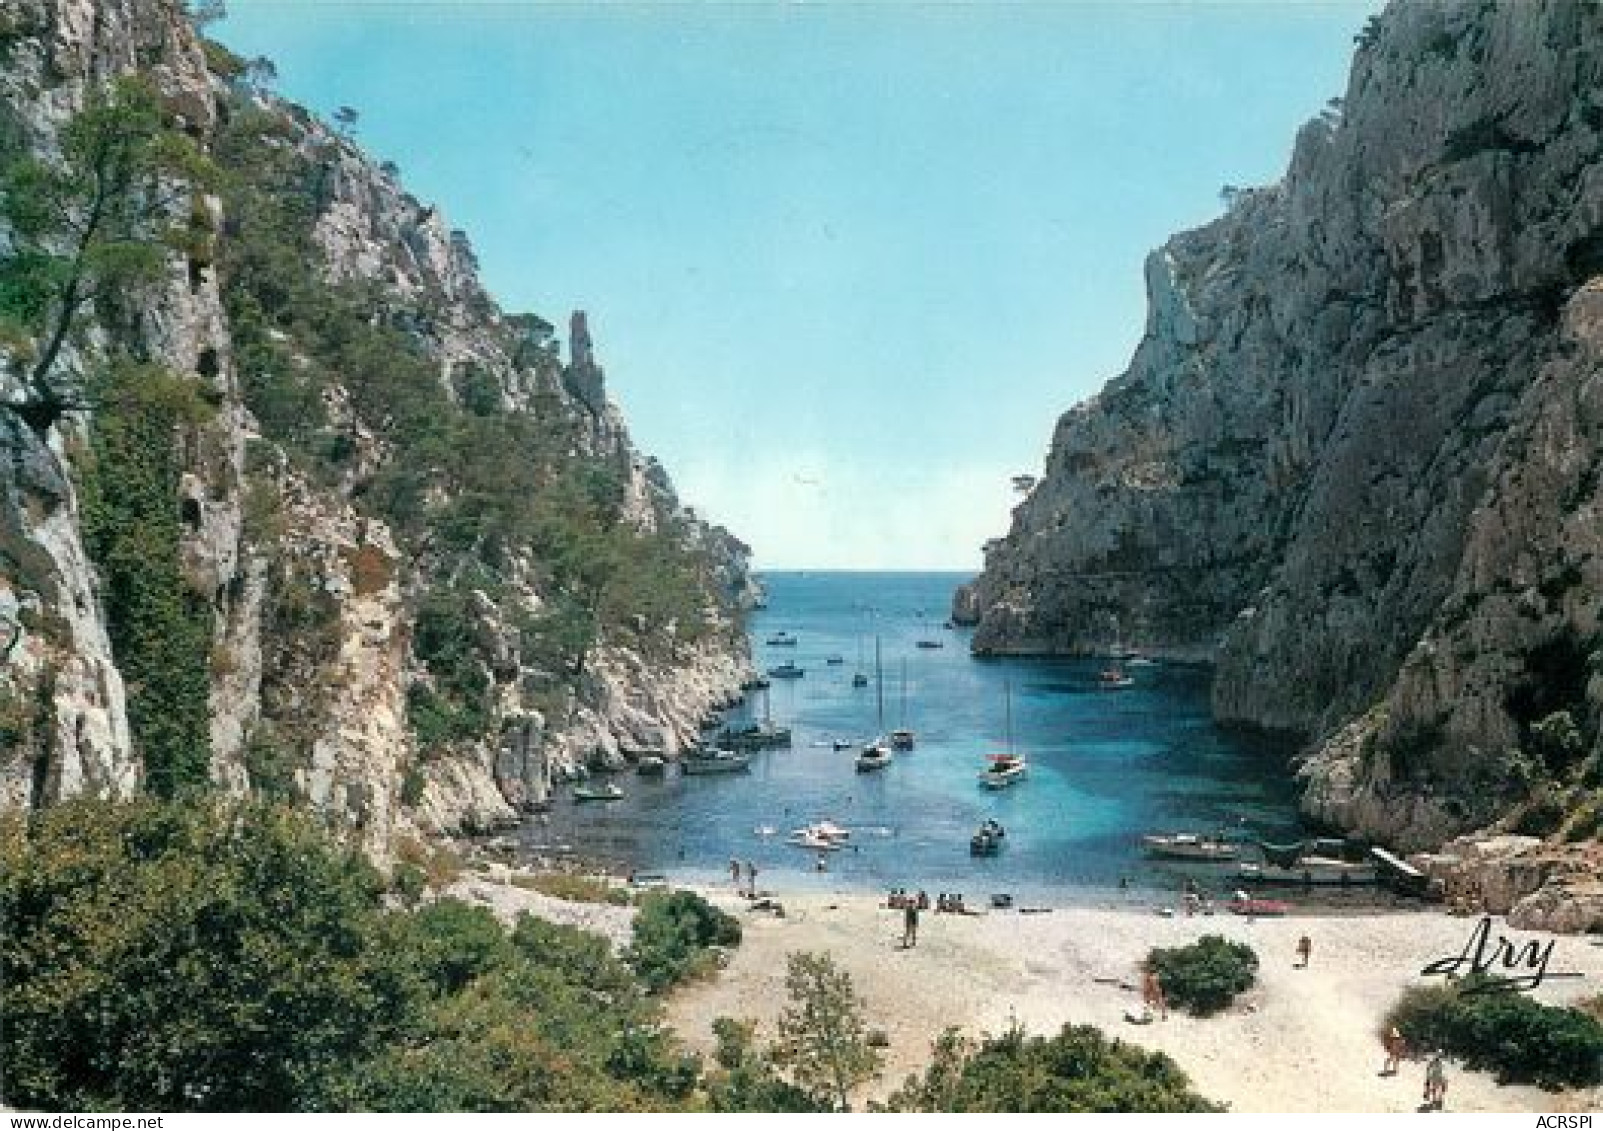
column 1355, row 458
column 311, row 549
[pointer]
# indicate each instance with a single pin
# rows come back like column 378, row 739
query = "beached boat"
column 987, row 839
column 604, row 792
column 1188, row 846
column 787, row 671
column 783, row 640
column 1257, row 907
column 717, row 762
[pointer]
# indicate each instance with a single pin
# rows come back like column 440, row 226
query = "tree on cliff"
column 92, row 227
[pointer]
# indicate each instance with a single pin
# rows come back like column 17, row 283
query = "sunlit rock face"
column 342, row 689
column 1354, row 461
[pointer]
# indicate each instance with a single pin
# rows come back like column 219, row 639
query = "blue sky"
column 845, row 263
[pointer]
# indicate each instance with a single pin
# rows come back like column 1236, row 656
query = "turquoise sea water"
column 1105, row 766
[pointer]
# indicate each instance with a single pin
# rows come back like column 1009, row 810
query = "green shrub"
column 161, row 629
column 1505, row 1032
column 183, row 957
column 672, row 933
column 1205, row 976
column 1078, row 1070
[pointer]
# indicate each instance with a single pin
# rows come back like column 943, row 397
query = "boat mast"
column 879, row 686
column 1007, row 712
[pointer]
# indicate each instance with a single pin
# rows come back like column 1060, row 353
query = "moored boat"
column 787, row 671
column 607, row 791
column 783, row 640
column 1114, row 678
column 875, row 756
column 651, row 766
column 716, row 762
column 1004, row 770
column 1313, row 871
column 987, row 839
column 902, row 739
column 1188, row 846
column 756, row 683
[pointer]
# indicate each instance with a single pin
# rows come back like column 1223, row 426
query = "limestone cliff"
column 403, row 634
column 1355, row 458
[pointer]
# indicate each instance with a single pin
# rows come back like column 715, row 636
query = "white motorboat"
column 1188, row 846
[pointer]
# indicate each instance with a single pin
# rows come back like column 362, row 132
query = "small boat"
column 1113, row 678
column 834, row 661
column 1010, row 768
column 987, row 839
column 1141, row 662
column 757, row 736
column 902, row 738
column 1188, row 846
column 787, row 671
column 1310, row 871
column 930, row 644
column 1004, row 770
column 859, row 680
column 875, row 756
column 783, row 640
column 756, row 683
column 651, row 766
column 841, row 744
column 717, row 762
column 604, row 792
column 802, row 838
column 1243, row 905
column 823, row 830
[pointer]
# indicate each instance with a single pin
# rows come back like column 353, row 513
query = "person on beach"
column 751, row 879
column 1305, row 948
column 734, row 873
column 1395, row 1048
column 909, row 925
column 1436, row 1081
column 1152, row 993
column 923, row 900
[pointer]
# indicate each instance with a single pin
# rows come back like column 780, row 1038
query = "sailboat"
column 877, row 754
column 902, row 738
column 1009, row 768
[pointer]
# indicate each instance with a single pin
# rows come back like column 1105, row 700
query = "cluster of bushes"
column 187, row 957
column 1078, row 1069
column 1205, row 976
column 1508, row 1033
column 674, row 935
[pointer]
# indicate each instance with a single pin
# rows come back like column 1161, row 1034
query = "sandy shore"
column 1301, row 1040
